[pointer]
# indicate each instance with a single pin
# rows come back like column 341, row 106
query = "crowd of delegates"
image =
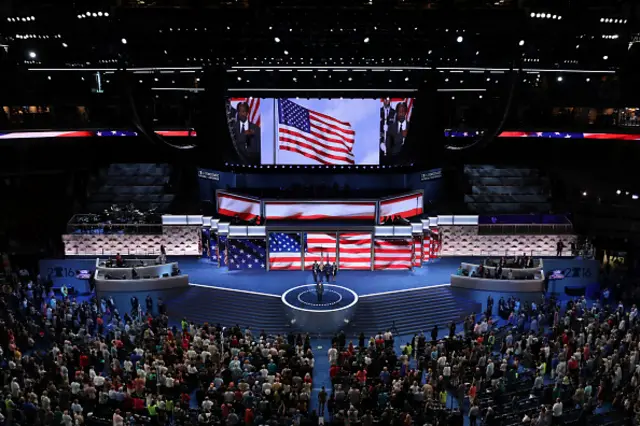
column 547, row 365
column 67, row 362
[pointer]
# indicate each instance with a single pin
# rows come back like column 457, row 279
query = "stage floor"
column 203, row 272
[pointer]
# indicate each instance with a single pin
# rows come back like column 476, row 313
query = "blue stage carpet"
column 203, row 272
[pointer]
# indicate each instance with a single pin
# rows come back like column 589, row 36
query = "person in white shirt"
column 207, row 404
column 118, row 420
column 333, row 355
column 557, row 411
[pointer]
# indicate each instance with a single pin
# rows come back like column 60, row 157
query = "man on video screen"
column 396, row 134
column 247, row 136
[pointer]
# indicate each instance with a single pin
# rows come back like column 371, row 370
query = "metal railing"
column 529, row 229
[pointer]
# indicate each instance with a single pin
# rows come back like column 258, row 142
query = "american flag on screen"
column 408, row 101
column 319, row 247
column 355, row 251
column 246, row 254
column 254, row 109
column 285, row 251
column 393, row 254
column 314, row 135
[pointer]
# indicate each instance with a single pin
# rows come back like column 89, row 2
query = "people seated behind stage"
column 175, row 271
column 514, row 262
column 481, row 271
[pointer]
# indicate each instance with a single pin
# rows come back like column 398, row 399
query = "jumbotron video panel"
column 329, row 132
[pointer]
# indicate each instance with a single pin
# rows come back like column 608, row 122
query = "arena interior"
column 300, row 212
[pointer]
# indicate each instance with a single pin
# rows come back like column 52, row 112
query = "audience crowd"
column 70, row 362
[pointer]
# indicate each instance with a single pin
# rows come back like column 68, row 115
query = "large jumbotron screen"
column 330, row 132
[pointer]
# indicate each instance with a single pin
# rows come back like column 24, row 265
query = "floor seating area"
column 506, row 190
column 144, row 185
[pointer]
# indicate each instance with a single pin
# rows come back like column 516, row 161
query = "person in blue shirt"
column 385, row 376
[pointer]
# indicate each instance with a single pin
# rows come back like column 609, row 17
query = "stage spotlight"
column 65, row 45
column 276, row 39
column 124, row 41
column 584, row 193
column 618, row 192
column 459, row 39
column 560, row 78
column 366, row 40
column 605, row 57
column 521, row 43
column 634, row 197
column 32, row 55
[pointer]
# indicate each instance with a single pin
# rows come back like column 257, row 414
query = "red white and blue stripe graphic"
column 285, row 251
column 235, row 205
column 403, row 206
column 355, row 251
column 320, row 247
column 426, row 248
column 277, row 210
column 47, row 134
column 393, row 253
column 185, row 133
column 417, row 251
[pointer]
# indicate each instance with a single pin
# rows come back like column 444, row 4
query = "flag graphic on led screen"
column 417, row 252
column 281, row 210
column 246, row 253
column 254, row 108
column 285, row 251
column 314, row 135
column 319, row 247
column 404, row 206
column 393, row 254
column 235, row 205
column 355, row 251
column 426, row 248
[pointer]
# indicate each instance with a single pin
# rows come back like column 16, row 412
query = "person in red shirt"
column 361, row 375
column 248, row 417
column 184, row 400
column 84, row 363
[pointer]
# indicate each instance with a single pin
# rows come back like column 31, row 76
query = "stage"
column 206, row 273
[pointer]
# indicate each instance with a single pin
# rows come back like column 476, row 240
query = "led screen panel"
column 233, row 205
column 403, row 206
column 393, row 253
column 326, row 132
column 319, row 247
column 355, row 251
column 282, row 210
column 285, row 251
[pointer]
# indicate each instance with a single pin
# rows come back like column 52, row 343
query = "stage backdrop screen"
column 355, row 251
column 404, row 206
column 320, row 131
column 319, row 247
column 285, row 251
column 296, row 210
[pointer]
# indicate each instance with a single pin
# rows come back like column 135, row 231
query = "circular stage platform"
column 326, row 315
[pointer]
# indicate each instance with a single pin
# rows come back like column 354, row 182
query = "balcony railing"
column 530, row 229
